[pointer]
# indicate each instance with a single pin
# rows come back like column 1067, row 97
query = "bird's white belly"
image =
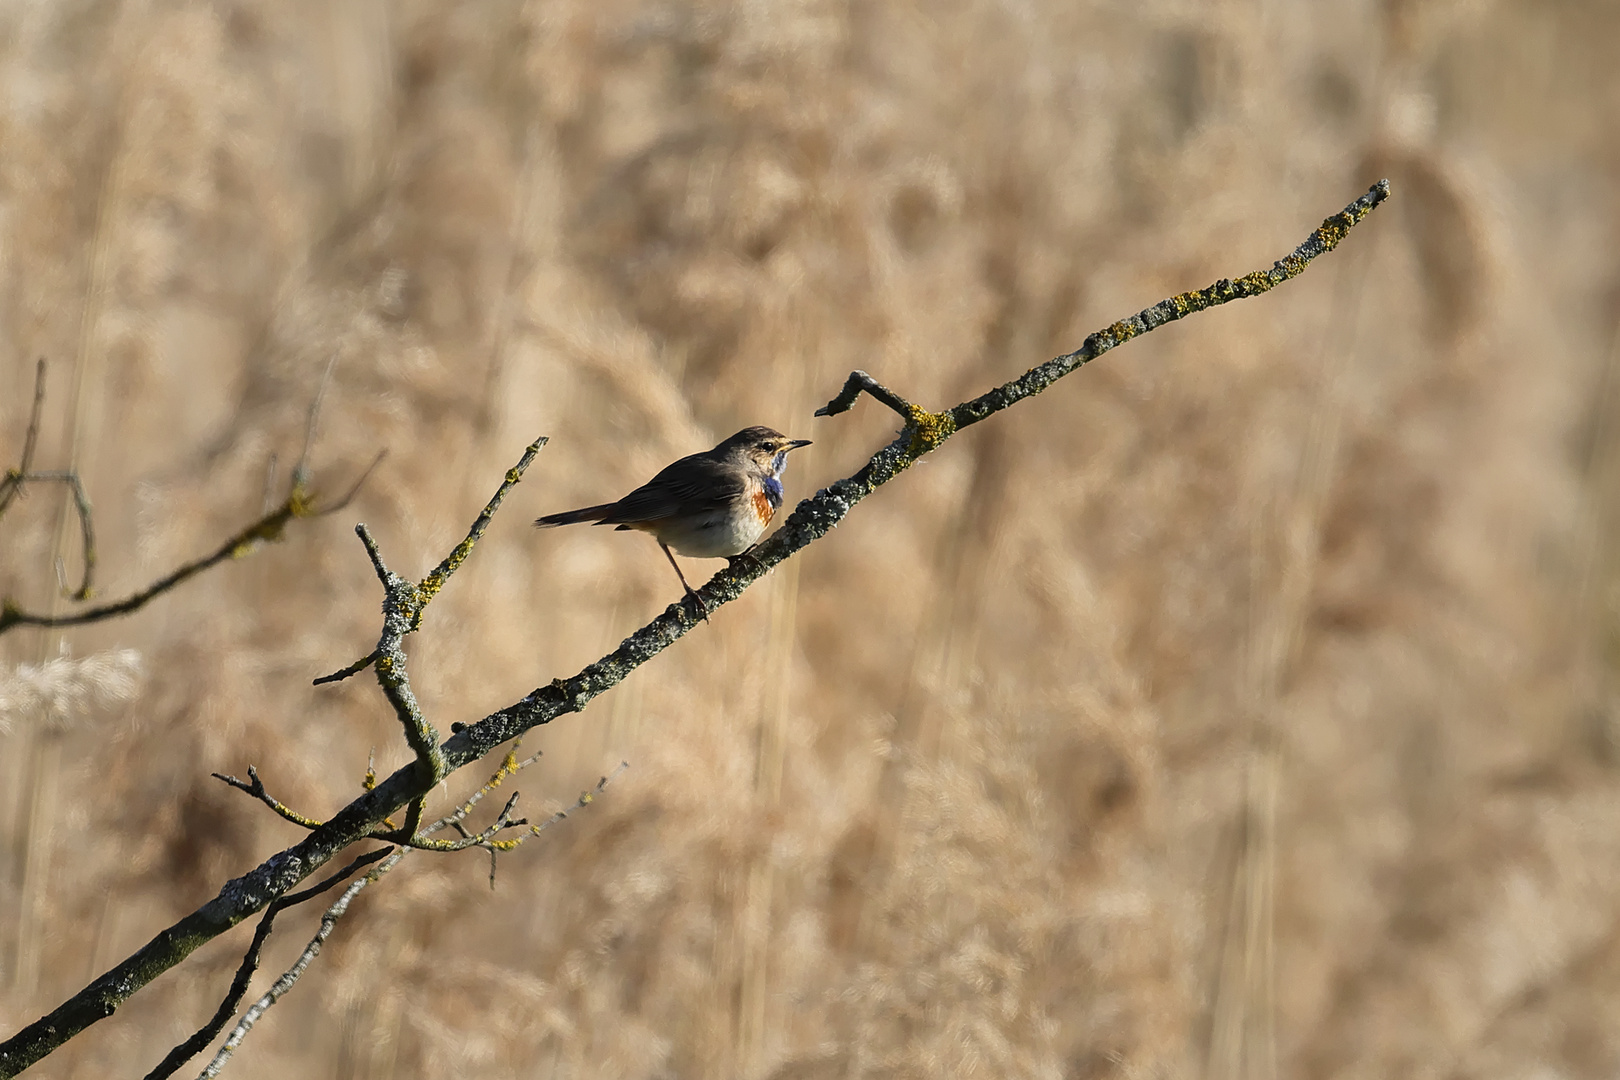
column 715, row 536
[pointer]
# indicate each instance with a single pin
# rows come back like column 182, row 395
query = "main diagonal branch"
column 811, row 520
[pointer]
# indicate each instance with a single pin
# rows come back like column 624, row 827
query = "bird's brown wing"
column 693, row 485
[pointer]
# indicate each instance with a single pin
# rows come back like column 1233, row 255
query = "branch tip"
column 859, row 381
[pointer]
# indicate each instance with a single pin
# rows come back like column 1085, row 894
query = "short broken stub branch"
column 810, row 520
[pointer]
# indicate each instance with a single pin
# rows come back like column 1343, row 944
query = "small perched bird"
column 711, row 505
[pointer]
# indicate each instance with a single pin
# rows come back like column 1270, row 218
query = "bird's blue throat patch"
column 773, row 492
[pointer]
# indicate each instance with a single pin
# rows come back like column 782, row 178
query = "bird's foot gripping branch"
column 369, row 815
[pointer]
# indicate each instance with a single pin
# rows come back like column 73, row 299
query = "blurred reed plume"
column 65, row 692
column 1244, row 708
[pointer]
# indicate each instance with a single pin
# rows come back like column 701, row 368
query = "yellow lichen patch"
column 296, row 818
column 1259, row 281
column 300, row 503
column 1333, row 230
column 426, row 591
column 1122, row 331
column 928, row 430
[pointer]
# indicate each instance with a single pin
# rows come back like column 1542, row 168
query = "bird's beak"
column 796, row 443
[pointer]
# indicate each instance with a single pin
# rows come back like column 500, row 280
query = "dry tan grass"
column 1241, row 708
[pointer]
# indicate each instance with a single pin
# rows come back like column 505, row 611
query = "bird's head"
column 764, row 448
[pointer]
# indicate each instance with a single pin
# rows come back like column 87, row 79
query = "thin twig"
column 354, row 489
column 429, row 586
column 81, row 504
column 353, row 669
column 12, row 481
column 503, row 821
column 269, row 499
column 812, row 519
column 510, row 766
column 269, row 527
column 250, row 963
column 266, row 528
column 300, row 474
column 585, row 799
column 330, row 919
column 289, row 977
column 256, row 789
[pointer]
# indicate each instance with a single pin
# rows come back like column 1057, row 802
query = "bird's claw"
column 702, row 608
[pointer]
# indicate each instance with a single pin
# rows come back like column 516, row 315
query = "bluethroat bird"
column 713, row 505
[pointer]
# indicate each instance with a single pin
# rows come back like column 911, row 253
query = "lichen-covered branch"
column 401, row 609
column 329, row 921
column 811, row 520
column 204, row 1035
column 403, row 605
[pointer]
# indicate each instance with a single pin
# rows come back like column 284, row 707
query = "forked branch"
column 299, row 503
column 339, row 908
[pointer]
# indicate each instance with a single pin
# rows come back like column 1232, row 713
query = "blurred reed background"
column 1243, row 707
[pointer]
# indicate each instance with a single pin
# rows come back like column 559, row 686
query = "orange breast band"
column 763, row 507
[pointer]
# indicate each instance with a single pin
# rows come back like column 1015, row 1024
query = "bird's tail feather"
column 574, row 517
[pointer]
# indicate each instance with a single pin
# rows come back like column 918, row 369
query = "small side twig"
column 503, row 821
column 495, row 847
column 353, row 669
column 428, row 587
column 354, row 489
column 256, row 789
column 12, row 481
column 853, row 386
column 300, row 474
column 87, row 530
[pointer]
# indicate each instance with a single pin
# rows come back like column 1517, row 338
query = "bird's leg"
column 703, row 609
